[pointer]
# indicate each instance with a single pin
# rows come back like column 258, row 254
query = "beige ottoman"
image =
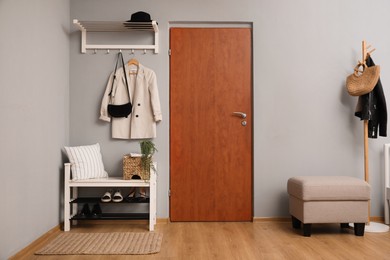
column 328, row 199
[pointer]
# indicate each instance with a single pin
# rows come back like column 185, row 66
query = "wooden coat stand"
column 370, row 226
column 366, row 168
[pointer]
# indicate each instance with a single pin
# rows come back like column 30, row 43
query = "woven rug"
column 118, row 243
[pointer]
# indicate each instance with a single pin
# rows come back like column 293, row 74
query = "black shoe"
column 96, row 211
column 85, row 212
column 131, row 196
column 141, row 195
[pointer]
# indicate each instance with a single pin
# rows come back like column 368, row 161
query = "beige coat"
column 144, row 96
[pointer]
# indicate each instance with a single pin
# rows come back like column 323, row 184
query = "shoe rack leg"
column 67, row 198
column 152, row 200
column 74, row 205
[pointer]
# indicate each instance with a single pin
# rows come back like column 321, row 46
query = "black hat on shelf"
column 140, row 17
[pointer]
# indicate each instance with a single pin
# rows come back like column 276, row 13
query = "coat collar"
column 140, row 73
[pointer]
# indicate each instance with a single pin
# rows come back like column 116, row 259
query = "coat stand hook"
column 108, row 51
column 95, row 51
column 144, row 51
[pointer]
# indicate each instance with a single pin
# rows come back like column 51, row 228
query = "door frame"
column 208, row 24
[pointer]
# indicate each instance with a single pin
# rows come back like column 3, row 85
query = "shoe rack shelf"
column 97, row 200
column 116, row 26
column 115, row 216
column 71, row 199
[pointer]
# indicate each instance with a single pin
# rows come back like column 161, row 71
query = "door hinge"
column 169, row 52
column 169, row 193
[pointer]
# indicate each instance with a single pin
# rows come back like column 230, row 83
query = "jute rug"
column 118, row 243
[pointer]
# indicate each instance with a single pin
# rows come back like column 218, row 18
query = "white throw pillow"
column 86, row 162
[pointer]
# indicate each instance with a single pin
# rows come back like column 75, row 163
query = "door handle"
column 240, row 114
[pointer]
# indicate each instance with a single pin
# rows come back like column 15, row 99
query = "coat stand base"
column 374, row 227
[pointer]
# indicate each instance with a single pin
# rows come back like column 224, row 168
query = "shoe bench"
column 71, row 198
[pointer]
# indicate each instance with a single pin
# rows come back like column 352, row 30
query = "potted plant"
column 148, row 148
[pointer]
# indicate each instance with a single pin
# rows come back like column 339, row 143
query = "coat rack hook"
column 108, row 51
column 144, row 51
column 120, row 50
column 95, row 51
column 132, row 51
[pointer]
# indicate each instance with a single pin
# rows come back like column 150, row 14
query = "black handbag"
column 123, row 110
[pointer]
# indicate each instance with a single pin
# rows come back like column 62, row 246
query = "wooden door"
column 210, row 146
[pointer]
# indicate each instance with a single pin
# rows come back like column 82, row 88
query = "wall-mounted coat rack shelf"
column 116, row 26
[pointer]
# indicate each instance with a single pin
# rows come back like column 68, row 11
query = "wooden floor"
column 237, row 240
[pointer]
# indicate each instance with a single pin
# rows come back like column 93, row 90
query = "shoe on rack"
column 117, row 196
column 85, row 212
column 141, row 195
column 131, row 196
column 96, row 211
column 106, row 197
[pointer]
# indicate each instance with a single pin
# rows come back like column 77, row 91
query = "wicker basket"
column 132, row 166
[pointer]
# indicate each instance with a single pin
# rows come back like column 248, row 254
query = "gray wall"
column 304, row 123
column 303, row 51
column 34, row 105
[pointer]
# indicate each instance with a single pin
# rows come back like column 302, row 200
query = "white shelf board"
column 116, row 26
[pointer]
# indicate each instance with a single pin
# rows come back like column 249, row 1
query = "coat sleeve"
column 154, row 98
column 382, row 109
column 105, row 100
